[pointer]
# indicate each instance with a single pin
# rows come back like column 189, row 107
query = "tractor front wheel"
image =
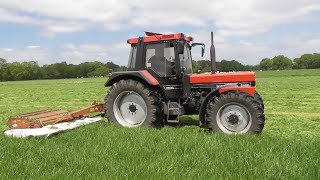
column 258, row 98
column 131, row 104
column 235, row 113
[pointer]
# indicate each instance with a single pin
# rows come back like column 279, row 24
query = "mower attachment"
column 42, row 118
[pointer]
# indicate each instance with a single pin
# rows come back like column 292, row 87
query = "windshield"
column 185, row 59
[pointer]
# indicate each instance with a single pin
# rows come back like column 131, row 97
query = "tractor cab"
column 165, row 55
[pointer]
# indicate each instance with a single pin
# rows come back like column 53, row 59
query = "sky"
column 50, row 31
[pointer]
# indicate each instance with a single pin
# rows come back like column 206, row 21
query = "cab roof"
column 154, row 37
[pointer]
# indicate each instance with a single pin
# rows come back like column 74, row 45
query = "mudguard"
column 142, row 75
column 225, row 88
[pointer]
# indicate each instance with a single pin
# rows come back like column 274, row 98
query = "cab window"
column 160, row 58
column 132, row 58
column 186, row 60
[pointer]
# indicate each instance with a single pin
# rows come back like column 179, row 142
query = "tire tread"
column 256, row 110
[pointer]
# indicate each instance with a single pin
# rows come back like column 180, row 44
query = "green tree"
column 281, row 62
column 100, row 71
column 298, row 64
column 122, row 68
column 201, row 66
column 23, row 71
column 266, row 64
column 307, row 60
column 50, row 71
column 316, row 60
column 223, row 66
column 32, row 70
column 112, row 66
column 227, row 66
column 3, row 63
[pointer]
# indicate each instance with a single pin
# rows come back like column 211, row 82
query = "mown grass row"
column 287, row 149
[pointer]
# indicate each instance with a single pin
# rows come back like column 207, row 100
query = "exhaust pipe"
column 213, row 56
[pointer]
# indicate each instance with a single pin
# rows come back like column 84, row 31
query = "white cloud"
column 69, row 46
column 249, row 17
column 57, row 16
column 28, row 53
column 118, row 53
column 228, row 17
column 6, row 49
column 245, row 51
column 300, row 44
column 32, row 47
column 71, row 53
column 76, row 54
column 12, row 17
column 51, row 29
column 250, row 52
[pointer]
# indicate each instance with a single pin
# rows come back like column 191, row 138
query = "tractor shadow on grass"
column 183, row 121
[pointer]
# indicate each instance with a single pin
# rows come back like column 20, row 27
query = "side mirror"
column 180, row 47
column 202, row 51
column 202, row 47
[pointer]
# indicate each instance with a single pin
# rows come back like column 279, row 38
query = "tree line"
column 202, row 66
column 31, row 70
column 280, row 62
column 306, row 61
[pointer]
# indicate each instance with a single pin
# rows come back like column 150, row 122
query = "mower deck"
column 38, row 119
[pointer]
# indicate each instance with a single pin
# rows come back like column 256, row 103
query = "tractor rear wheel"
column 131, row 104
column 235, row 113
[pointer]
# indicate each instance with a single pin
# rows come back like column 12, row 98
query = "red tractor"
column 159, row 86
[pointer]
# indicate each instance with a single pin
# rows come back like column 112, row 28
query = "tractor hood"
column 233, row 77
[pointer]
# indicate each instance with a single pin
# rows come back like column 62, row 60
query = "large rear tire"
column 235, row 112
column 132, row 104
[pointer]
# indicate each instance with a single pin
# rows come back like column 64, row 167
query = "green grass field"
column 289, row 147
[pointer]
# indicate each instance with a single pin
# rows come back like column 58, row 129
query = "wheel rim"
column 130, row 109
column 234, row 118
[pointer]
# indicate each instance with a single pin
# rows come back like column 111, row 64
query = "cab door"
column 185, row 61
column 162, row 62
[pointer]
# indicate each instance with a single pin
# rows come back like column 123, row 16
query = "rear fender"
column 222, row 89
column 143, row 76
